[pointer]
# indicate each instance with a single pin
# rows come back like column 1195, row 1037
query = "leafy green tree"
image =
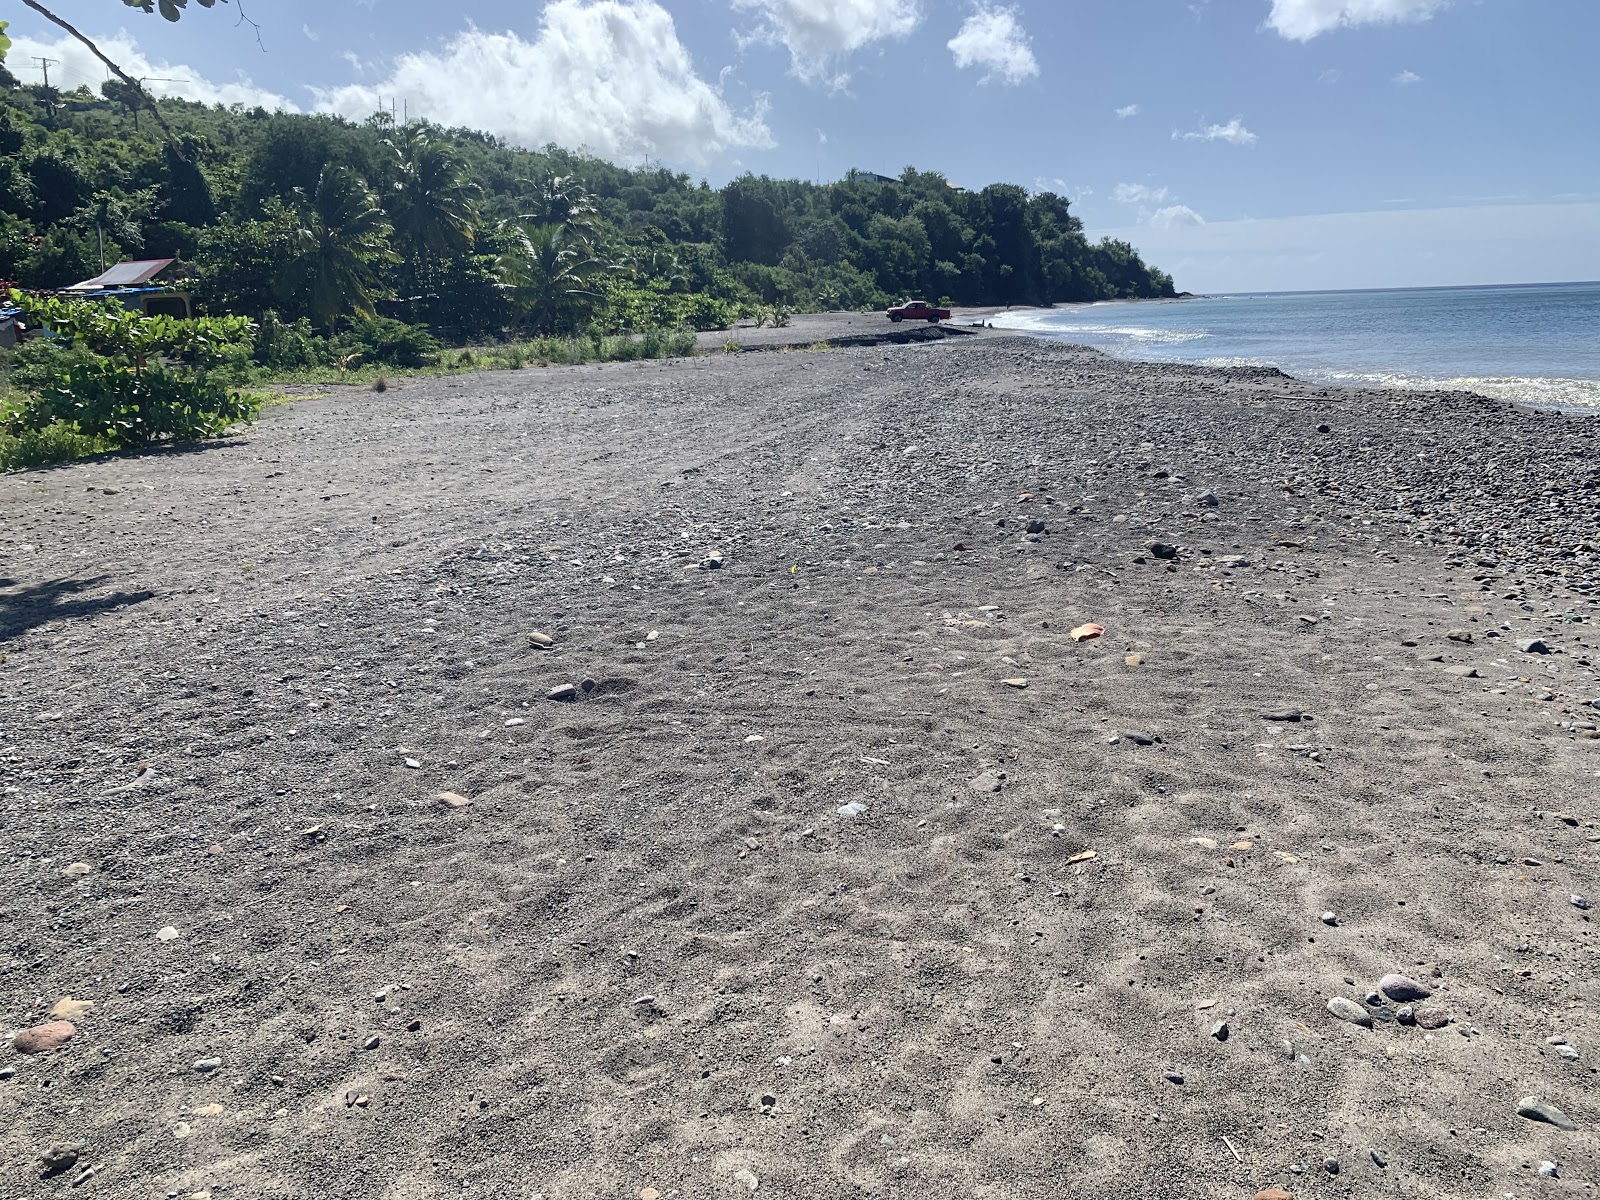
column 753, row 224
column 432, row 204
column 335, row 254
column 555, row 277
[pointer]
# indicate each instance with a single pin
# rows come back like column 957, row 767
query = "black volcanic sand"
column 652, row 957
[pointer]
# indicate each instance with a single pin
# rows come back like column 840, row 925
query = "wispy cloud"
column 993, row 38
column 1406, row 79
column 1331, row 75
column 1138, row 193
column 311, row 34
column 1234, row 132
column 819, row 33
column 1128, row 110
column 1302, row 20
column 609, row 75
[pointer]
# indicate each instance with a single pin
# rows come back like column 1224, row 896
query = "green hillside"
column 319, row 218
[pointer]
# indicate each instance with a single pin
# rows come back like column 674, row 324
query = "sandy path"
column 652, row 953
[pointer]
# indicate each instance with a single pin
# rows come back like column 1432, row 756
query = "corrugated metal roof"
column 124, row 274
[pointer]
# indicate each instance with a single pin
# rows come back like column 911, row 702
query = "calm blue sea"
column 1535, row 343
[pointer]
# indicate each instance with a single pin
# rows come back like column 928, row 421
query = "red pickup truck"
column 918, row 310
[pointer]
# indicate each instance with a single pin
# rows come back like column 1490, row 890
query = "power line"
column 45, row 64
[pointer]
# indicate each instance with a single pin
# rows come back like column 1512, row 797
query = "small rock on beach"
column 41, row 1039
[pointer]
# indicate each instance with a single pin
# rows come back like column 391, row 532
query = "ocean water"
column 1536, row 344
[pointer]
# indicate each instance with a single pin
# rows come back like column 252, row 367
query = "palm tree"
column 432, row 204
column 553, row 273
column 334, row 253
column 562, row 200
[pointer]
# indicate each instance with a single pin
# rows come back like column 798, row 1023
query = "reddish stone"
column 42, row 1039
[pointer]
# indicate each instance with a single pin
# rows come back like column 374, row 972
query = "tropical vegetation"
column 336, row 222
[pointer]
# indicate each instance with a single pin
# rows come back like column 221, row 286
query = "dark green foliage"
column 337, row 222
column 390, row 342
column 107, row 402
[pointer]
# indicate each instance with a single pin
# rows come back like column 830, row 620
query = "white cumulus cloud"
column 1138, row 193
column 609, row 75
column 1175, row 216
column 1406, row 79
column 74, row 65
column 1234, row 131
column 993, row 38
column 818, row 33
column 1302, row 20
column 1128, row 110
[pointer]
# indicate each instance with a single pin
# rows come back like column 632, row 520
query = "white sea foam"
column 1052, row 325
column 1577, row 394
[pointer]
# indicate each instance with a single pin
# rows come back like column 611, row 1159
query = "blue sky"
column 1242, row 144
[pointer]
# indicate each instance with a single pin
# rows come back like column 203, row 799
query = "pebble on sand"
column 565, row 692
column 1274, row 1193
column 989, row 781
column 1535, row 1109
column 542, row 640
column 453, row 800
column 167, row 933
column 1349, row 1010
column 1015, row 683
column 77, row 870
column 68, row 1009
column 61, row 1156
column 1403, row 988
column 41, row 1039
column 747, row 1179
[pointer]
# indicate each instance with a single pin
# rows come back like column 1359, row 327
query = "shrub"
column 135, row 408
column 390, row 342
column 105, row 379
column 40, row 361
column 288, row 347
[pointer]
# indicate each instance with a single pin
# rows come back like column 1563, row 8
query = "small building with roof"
column 132, row 285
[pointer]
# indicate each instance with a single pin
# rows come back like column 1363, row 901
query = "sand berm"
column 846, row 870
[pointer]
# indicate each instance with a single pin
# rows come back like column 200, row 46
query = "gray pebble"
column 1329, row 918
column 1535, row 1109
column 1377, row 1158
column 205, row 1065
column 1579, row 902
column 1406, row 1015
column 371, row 1043
column 1349, row 1010
column 563, row 693
column 1548, row 1170
column 1331, row 1165
column 1570, row 1053
column 1403, row 988
column 1138, row 738
column 1220, row 1031
column 7, row 1072
column 1172, row 1077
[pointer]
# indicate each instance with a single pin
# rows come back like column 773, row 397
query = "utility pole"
column 45, row 64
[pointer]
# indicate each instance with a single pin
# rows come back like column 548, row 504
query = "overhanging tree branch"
column 166, row 130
